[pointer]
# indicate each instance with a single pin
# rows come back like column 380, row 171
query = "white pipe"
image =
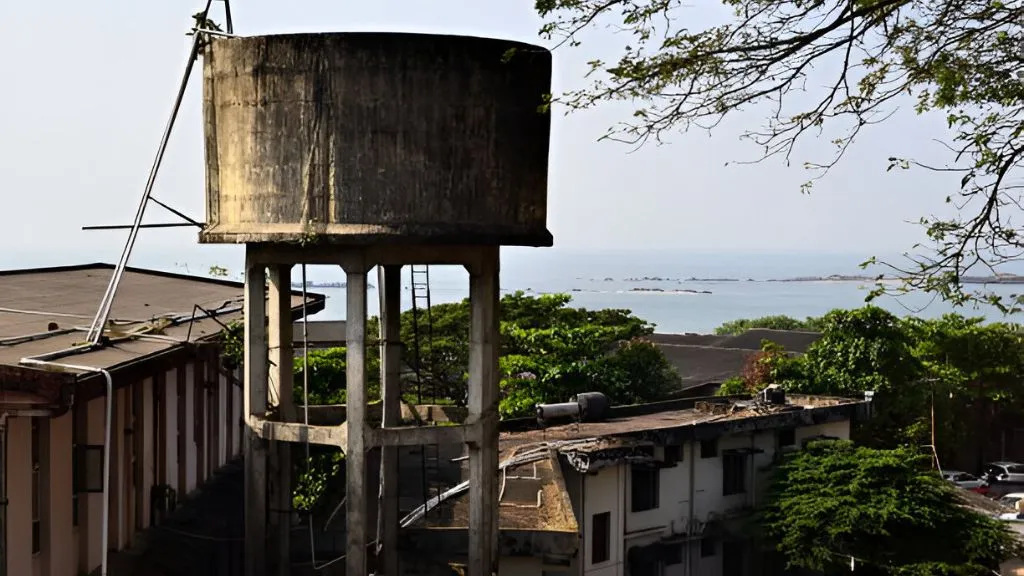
column 105, row 532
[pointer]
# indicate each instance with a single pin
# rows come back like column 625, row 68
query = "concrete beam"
column 419, row 435
column 389, row 255
column 270, row 430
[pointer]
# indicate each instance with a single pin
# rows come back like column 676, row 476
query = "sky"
column 89, row 86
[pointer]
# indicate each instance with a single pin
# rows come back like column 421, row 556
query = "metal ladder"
column 422, row 333
column 421, row 322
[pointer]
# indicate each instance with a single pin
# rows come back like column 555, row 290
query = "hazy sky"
column 88, row 87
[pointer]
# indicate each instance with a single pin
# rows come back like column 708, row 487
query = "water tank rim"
column 361, row 34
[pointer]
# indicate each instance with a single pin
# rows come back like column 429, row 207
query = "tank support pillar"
column 255, row 406
column 483, row 414
column 356, row 490
column 279, row 344
column 390, row 285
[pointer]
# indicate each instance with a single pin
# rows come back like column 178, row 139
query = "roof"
column 709, row 358
column 630, row 427
column 163, row 304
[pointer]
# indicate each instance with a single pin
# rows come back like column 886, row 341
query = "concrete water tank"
column 358, row 138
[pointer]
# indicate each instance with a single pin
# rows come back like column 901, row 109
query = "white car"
column 966, row 481
column 1012, row 472
column 1010, row 500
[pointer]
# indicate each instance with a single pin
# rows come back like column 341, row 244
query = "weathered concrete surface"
column 369, row 138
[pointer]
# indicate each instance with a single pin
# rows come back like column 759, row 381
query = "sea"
column 677, row 292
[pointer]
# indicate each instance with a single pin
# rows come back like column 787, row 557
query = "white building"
column 656, row 489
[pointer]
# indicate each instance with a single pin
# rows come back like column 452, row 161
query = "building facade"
column 176, row 413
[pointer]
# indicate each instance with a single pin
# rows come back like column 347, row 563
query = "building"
column 655, row 489
column 704, row 361
column 176, row 416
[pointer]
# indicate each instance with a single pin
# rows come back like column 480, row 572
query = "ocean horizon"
column 668, row 297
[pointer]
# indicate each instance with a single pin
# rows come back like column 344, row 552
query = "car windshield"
column 993, row 469
column 1010, row 501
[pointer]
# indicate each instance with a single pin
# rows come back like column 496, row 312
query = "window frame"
column 598, row 542
column 735, row 483
column 652, row 484
column 709, row 448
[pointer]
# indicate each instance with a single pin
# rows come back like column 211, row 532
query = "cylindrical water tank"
column 359, row 138
column 555, row 411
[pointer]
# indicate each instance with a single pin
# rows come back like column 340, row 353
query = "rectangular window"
column 707, row 547
column 644, row 488
column 732, row 558
column 787, row 437
column 36, row 489
column 673, row 554
column 734, row 474
column 673, row 454
column 601, row 538
column 708, row 448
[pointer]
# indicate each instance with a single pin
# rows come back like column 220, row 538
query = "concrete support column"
column 355, row 449
column 390, row 367
column 56, row 498
column 483, row 411
column 279, row 342
column 255, row 404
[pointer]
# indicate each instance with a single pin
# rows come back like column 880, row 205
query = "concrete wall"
column 67, row 550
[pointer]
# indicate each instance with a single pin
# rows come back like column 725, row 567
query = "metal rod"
column 227, row 17
column 213, row 32
column 129, row 226
column 181, row 215
column 96, row 329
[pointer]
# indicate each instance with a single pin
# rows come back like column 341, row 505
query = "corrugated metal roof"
column 32, row 301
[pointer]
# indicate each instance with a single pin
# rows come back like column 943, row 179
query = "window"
column 601, row 538
column 673, row 454
column 734, row 474
column 644, row 488
column 36, row 489
column 732, row 558
column 707, row 547
column 672, row 554
column 89, row 468
column 708, row 448
column 787, row 437
column 1015, row 469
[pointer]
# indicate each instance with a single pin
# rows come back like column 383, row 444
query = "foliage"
column 549, row 351
column 960, row 58
column 771, row 365
column 885, row 508
column 971, row 372
column 327, row 377
column 780, row 322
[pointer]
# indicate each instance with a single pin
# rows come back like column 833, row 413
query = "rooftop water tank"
column 359, row 138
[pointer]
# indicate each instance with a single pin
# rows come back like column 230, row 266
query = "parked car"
column 1012, row 472
column 966, row 481
column 1010, row 500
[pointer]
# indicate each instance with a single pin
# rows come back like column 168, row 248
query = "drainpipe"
column 105, row 534
column 694, row 447
column 3, row 493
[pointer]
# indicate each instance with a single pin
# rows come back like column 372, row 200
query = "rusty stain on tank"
column 360, row 138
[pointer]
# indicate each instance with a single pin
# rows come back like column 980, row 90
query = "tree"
column 884, row 508
column 780, row 322
column 958, row 57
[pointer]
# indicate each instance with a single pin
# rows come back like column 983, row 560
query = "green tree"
column 868, row 56
column 884, row 508
column 736, row 327
column 771, row 365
